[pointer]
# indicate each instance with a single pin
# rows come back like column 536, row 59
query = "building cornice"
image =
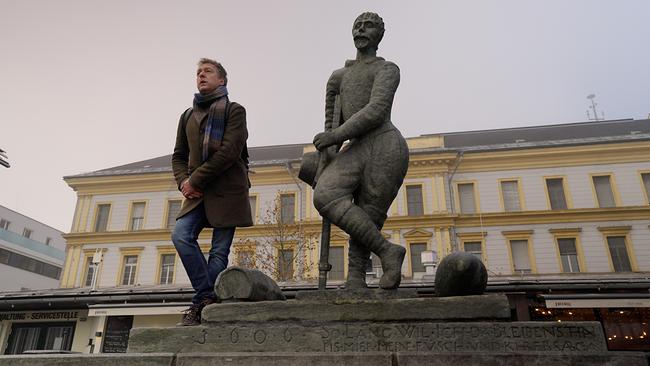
column 313, row 227
column 629, row 152
column 554, row 216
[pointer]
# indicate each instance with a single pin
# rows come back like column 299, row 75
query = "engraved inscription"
column 201, row 339
column 458, row 338
column 259, row 336
column 407, row 337
column 234, row 335
column 286, row 335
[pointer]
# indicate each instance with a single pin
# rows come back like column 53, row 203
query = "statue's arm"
column 331, row 90
column 375, row 112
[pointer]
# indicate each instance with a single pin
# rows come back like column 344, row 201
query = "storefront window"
column 40, row 336
column 627, row 328
column 116, row 334
column 575, row 315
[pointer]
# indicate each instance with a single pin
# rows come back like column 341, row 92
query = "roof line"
column 284, row 145
column 42, row 223
column 534, row 127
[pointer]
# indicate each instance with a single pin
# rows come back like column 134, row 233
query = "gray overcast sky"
column 86, row 85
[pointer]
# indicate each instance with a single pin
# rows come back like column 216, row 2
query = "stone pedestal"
column 341, row 328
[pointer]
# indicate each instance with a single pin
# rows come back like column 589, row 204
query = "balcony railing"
column 32, row 245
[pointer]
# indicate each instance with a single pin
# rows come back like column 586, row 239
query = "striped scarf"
column 216, row 123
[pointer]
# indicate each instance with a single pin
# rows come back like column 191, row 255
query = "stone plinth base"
column 345, row 330
column 454, row 337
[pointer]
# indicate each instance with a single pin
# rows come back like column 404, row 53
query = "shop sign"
column 40, row 315
column 598, row 303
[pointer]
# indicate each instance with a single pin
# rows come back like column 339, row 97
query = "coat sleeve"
column 180, row 156
column 377, row 109
column 234, row 139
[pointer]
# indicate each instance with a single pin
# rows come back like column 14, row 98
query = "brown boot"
column 192, row 316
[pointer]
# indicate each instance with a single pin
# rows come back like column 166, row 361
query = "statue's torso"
column 356, row 85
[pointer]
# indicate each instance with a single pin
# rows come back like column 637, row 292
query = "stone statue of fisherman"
column 358, row 185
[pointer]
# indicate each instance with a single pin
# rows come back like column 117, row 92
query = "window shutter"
column 415, row 205
column 618, row 252
column 416, row 256
column 336, row 259
column 466, row 197
column 173, row 208
column 646, row 183
column 520, row 258
column 510, row 191
column 604, row 192
column 102, row 217
column 556, row 195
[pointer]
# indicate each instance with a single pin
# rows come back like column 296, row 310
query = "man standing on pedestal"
column 357, row 187
column 210, row 164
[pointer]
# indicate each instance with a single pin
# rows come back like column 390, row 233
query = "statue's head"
column 367, row 31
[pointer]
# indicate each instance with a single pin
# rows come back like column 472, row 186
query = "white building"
column 31, row 253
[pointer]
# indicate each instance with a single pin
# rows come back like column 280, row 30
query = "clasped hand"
column 189, row 191
column 324, row 140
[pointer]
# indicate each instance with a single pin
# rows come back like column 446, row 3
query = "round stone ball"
column 460, row 274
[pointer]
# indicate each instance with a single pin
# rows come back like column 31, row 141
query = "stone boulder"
column 243, row 284
column 460, row 274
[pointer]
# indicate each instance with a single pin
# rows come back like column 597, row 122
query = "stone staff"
column 323, row 264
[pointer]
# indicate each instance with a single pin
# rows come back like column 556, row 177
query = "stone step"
column 411, row 359
column 480, row 307
column 328, row 359
column 101, row 359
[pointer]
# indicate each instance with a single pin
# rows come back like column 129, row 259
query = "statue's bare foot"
column 391, row 262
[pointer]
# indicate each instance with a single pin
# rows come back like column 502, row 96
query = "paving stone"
column 518, row 359
column 102, row 359
column 284, row 359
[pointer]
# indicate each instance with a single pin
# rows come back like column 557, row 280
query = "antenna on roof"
column 4, row 159
column 593, row 110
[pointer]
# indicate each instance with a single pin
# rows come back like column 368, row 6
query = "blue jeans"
column 202, row 273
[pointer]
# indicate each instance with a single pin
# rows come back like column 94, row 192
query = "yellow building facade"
column 562, row 208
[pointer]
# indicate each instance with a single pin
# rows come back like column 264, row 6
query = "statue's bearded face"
column 367, row 33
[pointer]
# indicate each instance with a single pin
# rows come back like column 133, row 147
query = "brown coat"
column 223, row 178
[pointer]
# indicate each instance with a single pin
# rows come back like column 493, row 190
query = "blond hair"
column 220, row 69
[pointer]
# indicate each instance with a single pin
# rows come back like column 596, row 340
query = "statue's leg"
column 358, row 258
column 358, row 254
column 333, row 199
column 382, row 178
column 338, row 181
column 356, row 222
